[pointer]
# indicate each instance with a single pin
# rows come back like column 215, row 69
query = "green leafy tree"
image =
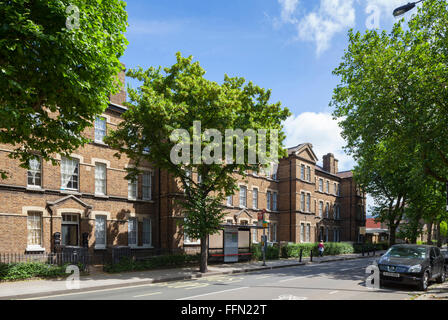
column 59, row 62
column 173, row 99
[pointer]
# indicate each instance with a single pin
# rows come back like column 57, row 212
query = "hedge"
column 26, row 270
column 292, row 250
column 272, row 252
column 165, row 261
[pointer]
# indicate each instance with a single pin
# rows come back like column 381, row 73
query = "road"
column 341, row 280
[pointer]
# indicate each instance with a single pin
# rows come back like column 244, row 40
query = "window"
column 321, row 185
column 34, row 226
column 255, row 198
column 274, row 232
column 254, row 234
column 335, row 188
column 308, row 202
column 132, row 232
column 274, row 201
column 328, row 186
column 268, row 200
column 69, row 174
column 100, row 129
column 229, row 221
column 243, row 196
column 146, row 234
column 132, row 189
column 327, row 210
column 146, row 186
column 339, row 190
column 302, row 172
column 199, row 178
column 100, row 232
column 35, row 173
column 302, row 201
column 100, row 178
column 229, row 200
column 321, row 207
column 302, row 232
column 326, row 235
column 308, row 173
column 308, row 232
column 70, row 229
column 335, row 235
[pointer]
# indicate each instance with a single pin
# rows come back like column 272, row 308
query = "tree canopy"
column 177, row 98
column 59, row 62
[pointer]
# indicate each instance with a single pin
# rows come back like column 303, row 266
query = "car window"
column 407, row 252
column 433, row 253
column 437, row 252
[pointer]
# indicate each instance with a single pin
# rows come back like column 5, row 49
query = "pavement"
column 435, row 292
column 97, row 280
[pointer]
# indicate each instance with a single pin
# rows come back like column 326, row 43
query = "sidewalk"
column 101, row 280
column 435, row 292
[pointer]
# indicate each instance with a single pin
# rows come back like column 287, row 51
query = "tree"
column 163, row 117
column 394, row 90
column 59, row 62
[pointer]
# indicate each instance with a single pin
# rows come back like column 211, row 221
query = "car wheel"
column 442, row 277
column 423, row 284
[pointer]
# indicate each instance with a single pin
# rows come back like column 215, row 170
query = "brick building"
column 87, row 197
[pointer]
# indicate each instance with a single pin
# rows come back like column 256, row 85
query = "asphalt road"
column 341, row 280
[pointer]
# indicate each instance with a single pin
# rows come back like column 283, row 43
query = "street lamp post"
column 403, row 9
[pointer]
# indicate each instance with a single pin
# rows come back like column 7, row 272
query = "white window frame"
column 31, row 218
column 133, row 185
column 102, row 179
column 229, row 200
column 133, row 245
column 102, row 245
column 33, row 172
column 302, row 171
column 64, row 174
column 302, row 232
column 147, row 185
column 308, row 173
column 307, row 232
column 274, row 201
column 254, row 233
column 243, row 197
column 321, row 185
column 302, row 201
column 308, row 202
column 100, row 130
column 321, row 209
column 149, row 232
column 327, row 210
column 255, row 198
column 268, row 200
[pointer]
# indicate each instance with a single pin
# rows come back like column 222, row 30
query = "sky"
column 288, row 46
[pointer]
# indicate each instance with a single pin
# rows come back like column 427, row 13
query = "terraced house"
column 86, row 201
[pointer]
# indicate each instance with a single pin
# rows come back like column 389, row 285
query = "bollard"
column 311, row 255
column 300, row 256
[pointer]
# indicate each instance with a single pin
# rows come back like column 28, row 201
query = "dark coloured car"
column 412, row 264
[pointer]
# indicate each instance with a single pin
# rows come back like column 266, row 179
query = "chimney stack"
column 120, row 97
column 330, row 163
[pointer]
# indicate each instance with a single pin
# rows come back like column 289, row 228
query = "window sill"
column 103, row 196
column 192, row 243
column 34, row 249
column 74, row 192
column 35, row 189
column 100, row 248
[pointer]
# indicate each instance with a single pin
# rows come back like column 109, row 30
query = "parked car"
column 412, row 264
column 445, row 254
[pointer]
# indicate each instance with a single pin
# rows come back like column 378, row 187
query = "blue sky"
column 289, row 46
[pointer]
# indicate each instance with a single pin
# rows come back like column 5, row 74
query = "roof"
column 370, row 223
column 345, row 174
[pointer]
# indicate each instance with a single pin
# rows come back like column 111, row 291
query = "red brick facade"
column 295, row 193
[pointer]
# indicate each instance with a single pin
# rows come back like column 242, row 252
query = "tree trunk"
column 429, row 231
column 392, row 235
column 204, row 255
column 438, row 235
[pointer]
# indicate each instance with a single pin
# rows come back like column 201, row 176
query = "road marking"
column 264, row 277
column 91, row 291
column 333, row 292
column 295, row 278
column 216, row 292
column 147, row 294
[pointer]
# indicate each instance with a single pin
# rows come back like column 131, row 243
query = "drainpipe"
column 290, row 202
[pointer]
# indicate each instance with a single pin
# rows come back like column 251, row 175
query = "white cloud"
column 288, row 9
column 322, row 132
column 332, row 17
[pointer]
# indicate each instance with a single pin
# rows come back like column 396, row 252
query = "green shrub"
column 272, row 252
column 26, row 270
column 292, row 250
column 165, row 261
